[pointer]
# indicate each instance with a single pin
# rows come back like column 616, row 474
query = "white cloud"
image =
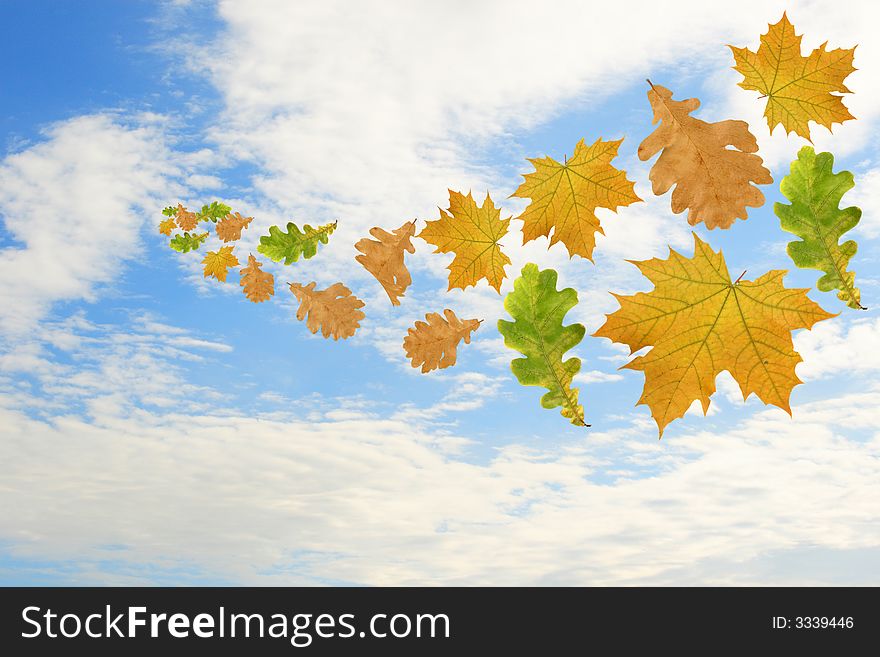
column 837, row 348
column 75, row 203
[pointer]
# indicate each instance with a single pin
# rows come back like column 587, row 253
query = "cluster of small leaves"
column 695, row 323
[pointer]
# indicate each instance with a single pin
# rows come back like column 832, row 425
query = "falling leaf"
column 186, row 242
column 798, row 89
column 564, row 197
column 433, row 345
column 170, row 211
column 472, row 234
column 815, row 216
column 258, row 285
column 537, row 332
column 294, row 243
column 218, row 262
column 229, row 228
column 214, row 211
column 335, row 311
column 383, row 258
column 185, row 219
column 699, row 323
column 167, row 226
column 713, row 181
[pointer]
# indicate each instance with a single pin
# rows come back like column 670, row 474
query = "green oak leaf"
column 537, row 332
column 815, row 216
column 186, row 242
column 294, row 243
column 170, row 211
column 214, row 212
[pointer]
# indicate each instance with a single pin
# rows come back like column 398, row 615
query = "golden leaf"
column 472, row 233
column 335, row 311
column 564, row 197
column 383, row 258
column 185, row 219
column 167, row 226
column 798, row 89
column 433, row 345
column 699, row 323
column 229, row 228
column 258, row 285
column 714, row 182
column 218, row 262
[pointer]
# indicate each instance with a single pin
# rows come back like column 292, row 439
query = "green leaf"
column 291, row 245
column 537, row 332
column 214, row 212
column 186, row 242
column 170, row 211
column 815, row 216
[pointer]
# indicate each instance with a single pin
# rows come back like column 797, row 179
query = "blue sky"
column 157, row 428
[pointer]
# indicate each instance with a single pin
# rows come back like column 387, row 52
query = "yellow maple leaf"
column 565, row 196
column 699, row 323
column 218, row 262
column 715, row 182
column 472, row 233
column 258, row 285
column 798, row 89
column 167, row 226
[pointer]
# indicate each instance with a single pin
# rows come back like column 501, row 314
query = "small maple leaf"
column 433, row 345
column 815, row 216
column 713, row 181
column 472, row 233
column 564, row 197
column 334, row 311
column 185, row 219
column 699, row 323
column 186, row 242
column 229, row 228
column 538, row 310
column 167, row 226
column 218, row 262
column 258, row 285
column 798, row 89
column 289, row 246
column 383, row 258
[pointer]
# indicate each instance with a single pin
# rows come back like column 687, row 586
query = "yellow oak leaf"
column 229, row 228
column 699, row 323
column 798, row 89
column 472, row 233
column 334, row 311
column 715, row 182
column 185, row 219
column 433, row 345
column 258, row 285
column 218, row 262
column 564, row 196
column 383, row 258
column 167, row 226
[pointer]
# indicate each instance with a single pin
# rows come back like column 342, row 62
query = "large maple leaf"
column 433, row 345
column 257, row 285
column 217, row 263
column 335, row 311
column 699, row 323
column 383, row 258
column 538, row 309
column 713, row 181
column 815, row 216
column 289, row 246
column 564, row 196
column 472, row 233
column 798, row 89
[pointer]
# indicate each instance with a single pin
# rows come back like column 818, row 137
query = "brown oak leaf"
column 335, row 311
column 229, row 228
column 383, row 258
column 258, row 285
column 185, row 219
column 432, row 345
